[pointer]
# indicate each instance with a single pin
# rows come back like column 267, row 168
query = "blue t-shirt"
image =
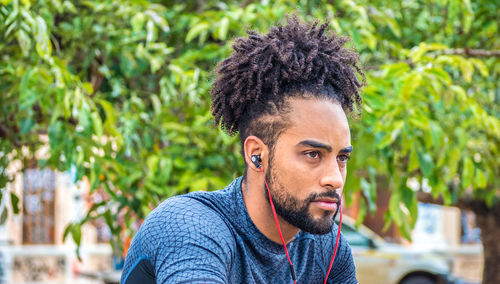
column 208, row 237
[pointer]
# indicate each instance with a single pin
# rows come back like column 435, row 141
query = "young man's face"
column 308, row 167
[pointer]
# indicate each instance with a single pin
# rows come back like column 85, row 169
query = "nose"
column 333, row 177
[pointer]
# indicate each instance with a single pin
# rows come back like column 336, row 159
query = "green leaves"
column 14, row 200
column 417, row 52
column 43, row 44
column 439, row 96
column 480, row 180
column 121, row 91
column 199, row 30
column 426, row 163
column 466, row 67
column 26, row 125
column 222, row 29
column 400, row 214
column 467, row 172
column 410, row 84
column 97, row 122
column 370, row 190
column 75, row 230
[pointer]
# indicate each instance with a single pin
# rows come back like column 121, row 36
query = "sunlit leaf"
column 411, row 83
column 426, row 163
column 196, row 31
column 467, row 172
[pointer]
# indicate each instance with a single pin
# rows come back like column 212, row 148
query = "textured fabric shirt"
column 208, row 237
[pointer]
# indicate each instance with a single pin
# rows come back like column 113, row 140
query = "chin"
column 319, row 230
column 319, row 226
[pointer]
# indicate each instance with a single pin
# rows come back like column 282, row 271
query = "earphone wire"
column 336, row 244
column 292, row 270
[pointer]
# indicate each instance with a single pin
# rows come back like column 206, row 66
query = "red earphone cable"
column 336, row 245
column 292, row 270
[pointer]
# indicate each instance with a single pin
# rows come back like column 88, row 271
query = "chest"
column 255, row 263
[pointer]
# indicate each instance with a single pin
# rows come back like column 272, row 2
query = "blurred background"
column 104, row 113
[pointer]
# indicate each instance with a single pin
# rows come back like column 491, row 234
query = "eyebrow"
column 316, row 144
column 347, row 149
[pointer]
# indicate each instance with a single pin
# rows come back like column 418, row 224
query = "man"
column 286, row 93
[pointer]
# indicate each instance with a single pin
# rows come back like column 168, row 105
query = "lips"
column 326, row 199
column 328, row 204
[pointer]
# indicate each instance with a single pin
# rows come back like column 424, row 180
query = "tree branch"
column 470, row 52
column 454, row 51
column 6, row 132
column 464, row 202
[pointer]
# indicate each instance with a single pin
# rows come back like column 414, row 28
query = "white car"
column 378, row 261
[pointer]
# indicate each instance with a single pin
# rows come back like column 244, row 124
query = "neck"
column 259, row 210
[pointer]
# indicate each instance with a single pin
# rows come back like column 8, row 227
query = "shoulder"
column 185, row 232
column 185, row 216
column 188, row 238
column 195, row 215
column 182, row 222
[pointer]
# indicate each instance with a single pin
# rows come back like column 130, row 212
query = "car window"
column 354, row 238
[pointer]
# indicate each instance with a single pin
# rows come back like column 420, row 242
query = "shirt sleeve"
column 344, row 270
column 185, row 242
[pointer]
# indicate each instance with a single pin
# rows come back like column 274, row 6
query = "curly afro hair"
column 298, row 59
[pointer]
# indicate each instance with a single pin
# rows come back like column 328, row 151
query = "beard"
column 296, row 212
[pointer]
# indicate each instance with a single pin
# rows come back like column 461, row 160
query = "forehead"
column 319, row 119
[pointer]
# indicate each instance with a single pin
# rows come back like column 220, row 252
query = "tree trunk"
column 488, row 220
column 489, row 223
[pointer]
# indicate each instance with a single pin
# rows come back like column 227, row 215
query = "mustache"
column 331, row 194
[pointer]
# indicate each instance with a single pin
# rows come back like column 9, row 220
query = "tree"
column 431, row 115
column 119, row 91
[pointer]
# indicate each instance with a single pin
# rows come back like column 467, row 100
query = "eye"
column 312, row 154
column 343, row 158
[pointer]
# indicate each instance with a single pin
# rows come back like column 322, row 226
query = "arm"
column 185, row 241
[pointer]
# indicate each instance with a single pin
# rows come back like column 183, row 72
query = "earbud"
column 256, row 160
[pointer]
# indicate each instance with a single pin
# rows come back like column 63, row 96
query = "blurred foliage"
column 119, row 90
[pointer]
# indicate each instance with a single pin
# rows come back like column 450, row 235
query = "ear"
column 255, row 146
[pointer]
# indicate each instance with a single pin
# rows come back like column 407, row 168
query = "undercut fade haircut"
column 251, row 87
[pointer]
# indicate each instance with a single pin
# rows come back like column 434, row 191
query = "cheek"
column 285, row 163
column 343, row 172
column 292, row 174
